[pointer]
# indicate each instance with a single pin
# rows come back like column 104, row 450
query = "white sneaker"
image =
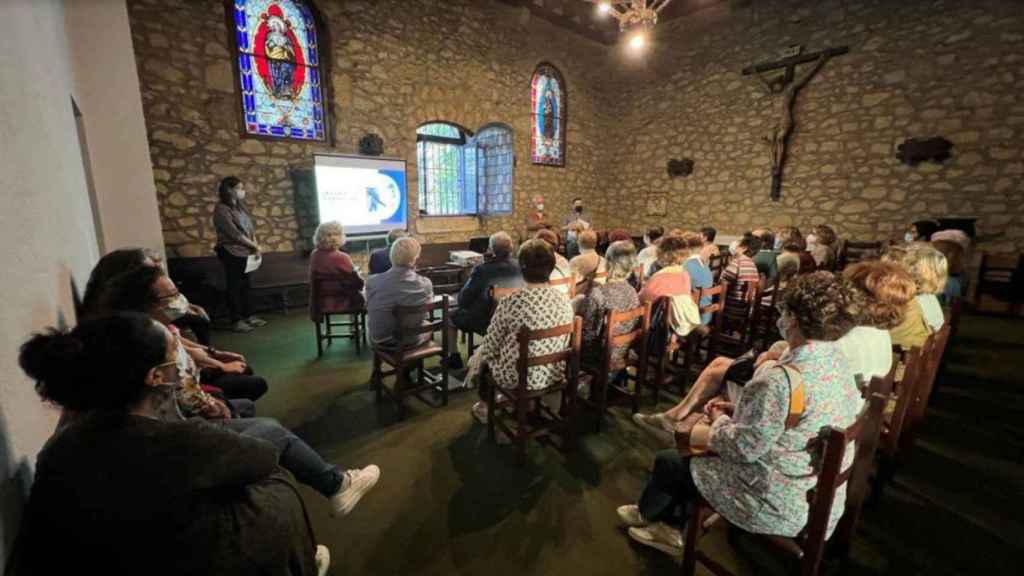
column 359, row 483
column 479, row 411
column 658, row 425
column 630, row 515
column 659, row 536
column 322, row 559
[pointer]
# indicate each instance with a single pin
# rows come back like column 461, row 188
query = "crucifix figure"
column 785, row 90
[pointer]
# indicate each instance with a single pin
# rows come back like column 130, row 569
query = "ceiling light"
column 604, row 8
column 638, row 41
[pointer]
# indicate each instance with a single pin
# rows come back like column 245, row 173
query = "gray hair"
column 500, row 244
column 325, row 228
column 405, row 251
column 620, row 259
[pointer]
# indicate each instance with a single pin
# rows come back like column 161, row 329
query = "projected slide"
column 367, row 195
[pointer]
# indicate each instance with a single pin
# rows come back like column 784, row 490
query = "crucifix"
column 785, row 89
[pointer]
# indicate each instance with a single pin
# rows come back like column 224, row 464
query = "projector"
column 465, row 257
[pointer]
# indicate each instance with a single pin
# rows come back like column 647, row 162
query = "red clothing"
column 345, row 293
column 671, row 281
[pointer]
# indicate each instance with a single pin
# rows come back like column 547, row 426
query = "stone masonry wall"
column 915, row 68
column 395, row 65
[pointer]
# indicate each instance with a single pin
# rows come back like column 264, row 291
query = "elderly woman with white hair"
column 334, row 282
column 399, row 286
column 615, row 294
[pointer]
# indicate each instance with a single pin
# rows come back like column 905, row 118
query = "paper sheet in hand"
column 253, row 262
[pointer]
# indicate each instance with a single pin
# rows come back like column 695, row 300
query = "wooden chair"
column 732, row 326
column 923, row 391
column 853, row 251
column 568, row 281
column 516, row 404
column 406, row 357
column 905, row 388
column 807, row 549
column 447, row 279
column 763, row 331
column 718, row 263
column 604, row 374
column 354, row 319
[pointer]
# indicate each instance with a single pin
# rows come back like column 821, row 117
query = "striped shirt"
column 741, row 270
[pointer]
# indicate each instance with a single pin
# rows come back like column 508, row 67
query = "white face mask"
column 778, row 244
column 176, row 308
column 240, row 193
column 908, row 237
column 540, row 207
column 733, row 247
column 812, row 240
column 781, row 325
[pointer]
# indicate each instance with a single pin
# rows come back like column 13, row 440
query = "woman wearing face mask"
column 121, row 491
column 537, row 219
column 236, row 241
column 762, row 469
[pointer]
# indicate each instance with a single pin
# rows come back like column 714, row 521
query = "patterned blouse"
column 537, row 309
column 760, row 473
column 618, row 296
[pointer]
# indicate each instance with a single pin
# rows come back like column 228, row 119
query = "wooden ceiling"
column 580, row 16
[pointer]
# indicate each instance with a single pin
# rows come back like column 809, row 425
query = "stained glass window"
column 279, row 70
column 547, row 111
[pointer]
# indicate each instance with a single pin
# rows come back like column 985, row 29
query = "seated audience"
column 618, row 235
column 562, row 268
column 921, row 231
column 501, row 270
column 710, row 249
column 649, row 254
column 762, row 472
column 742, row 270
column 399, row 286
column 954, row 253
column 700, row 275
column 537, row 220
column 589, row 263
column 339, row 287
column 765, row 257
column 195, row 321
column 380, row 259
column 821, row 243
column 616, row 294
column 120, row 488
column 671, row 279
column 914, row 330
column 884, row 290
column 537, row 307
column 794, row 258
column 927, row 266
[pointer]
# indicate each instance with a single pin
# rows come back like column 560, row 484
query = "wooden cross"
column 787, row 87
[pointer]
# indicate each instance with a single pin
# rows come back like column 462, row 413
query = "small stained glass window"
column 547, row 113
column 280, row 74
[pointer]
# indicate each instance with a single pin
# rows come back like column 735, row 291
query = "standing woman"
column 236, row 241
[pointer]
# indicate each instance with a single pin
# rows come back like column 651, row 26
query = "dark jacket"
column 122, row 494
column 475, row 306
column 380, row 261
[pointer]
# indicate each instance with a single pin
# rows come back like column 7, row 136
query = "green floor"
column 450, row 502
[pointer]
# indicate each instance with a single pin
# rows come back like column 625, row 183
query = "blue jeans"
column 294, row 454
column 670, row 491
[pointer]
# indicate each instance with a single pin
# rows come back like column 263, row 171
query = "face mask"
column 540, row 207
column 781, row 325
column 778, row 245
column 733, row 247
column 908, row 237
column 176, row 308
column 240, row 194
column 812, row 240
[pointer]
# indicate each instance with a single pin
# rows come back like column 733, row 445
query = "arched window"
column 547, row 111
column 279, row 70
column 460, row 173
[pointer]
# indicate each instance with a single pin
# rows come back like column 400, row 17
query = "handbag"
column 693, row 433
column 742, row 369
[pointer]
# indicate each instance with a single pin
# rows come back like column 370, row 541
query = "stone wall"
column 396, row 64
column 915, row 68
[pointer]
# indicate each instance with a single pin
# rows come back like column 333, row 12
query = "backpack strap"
column 797, row 395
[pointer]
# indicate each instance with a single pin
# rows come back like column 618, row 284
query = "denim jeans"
column 294, row 455
column 671, row 489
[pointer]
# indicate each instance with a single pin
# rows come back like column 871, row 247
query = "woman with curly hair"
column 762, row 473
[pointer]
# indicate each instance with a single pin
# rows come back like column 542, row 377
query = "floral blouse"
column 537, row 309
column 760, row 472
column 593, row 308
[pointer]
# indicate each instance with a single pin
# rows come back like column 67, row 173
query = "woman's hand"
column 715, row 409
column 233, row 367
column 225, row 356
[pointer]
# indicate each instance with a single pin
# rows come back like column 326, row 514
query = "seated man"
column 501, row 270
column 380, row 259
column 589, row 263
column 399, row 286
column 765, row 257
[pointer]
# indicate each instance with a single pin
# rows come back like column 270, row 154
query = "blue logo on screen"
column 375, row 202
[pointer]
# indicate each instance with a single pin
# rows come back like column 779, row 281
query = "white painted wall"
column 106, row 88
column 53, row 49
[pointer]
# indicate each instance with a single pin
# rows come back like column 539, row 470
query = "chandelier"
column 632, row 13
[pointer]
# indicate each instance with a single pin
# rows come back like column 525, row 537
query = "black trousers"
column 247, row 385
column 237, row 282
column 671, row 491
